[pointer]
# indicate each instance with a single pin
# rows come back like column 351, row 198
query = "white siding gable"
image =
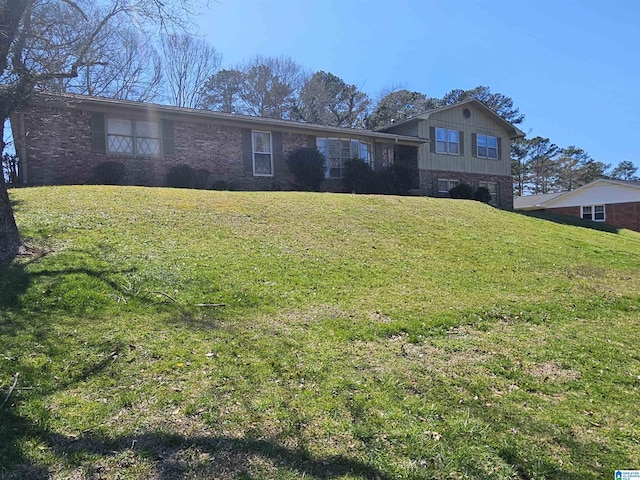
column 599, row 192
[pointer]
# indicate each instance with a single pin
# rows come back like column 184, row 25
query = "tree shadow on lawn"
column 169, row 456
column 15, row 278
column 569, row 220
column 591, row 456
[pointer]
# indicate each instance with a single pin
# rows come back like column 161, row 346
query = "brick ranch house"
column 615, row 202
column 61, row 139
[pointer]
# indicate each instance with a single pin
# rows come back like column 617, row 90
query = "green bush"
column 358, row 177
column 180, row 176
column 396, row 180
column 308, row 166
column 222, row 185
column 462, row 191
column 200, row 179
column 483, row 195
column 108, row 173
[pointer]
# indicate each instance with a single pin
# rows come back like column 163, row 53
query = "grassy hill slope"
column 196, row 334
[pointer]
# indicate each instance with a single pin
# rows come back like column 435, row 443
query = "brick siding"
column 621, row 215
column 59, row 151
column 429, row 184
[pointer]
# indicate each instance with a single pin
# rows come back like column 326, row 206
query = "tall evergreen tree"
column 625, row 170
column 540, row 165
column 499, row 103
column 399, row 105
column 326, row 99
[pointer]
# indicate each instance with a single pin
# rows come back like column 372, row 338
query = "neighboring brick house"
column 61, row 139
column 469, row 143
column 615, row 202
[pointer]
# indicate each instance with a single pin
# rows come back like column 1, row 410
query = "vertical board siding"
column 467, row 161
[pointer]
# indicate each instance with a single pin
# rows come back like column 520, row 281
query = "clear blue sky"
column 572, row 67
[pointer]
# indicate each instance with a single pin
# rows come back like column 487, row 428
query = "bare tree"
column 188, row 63
column 129, row 69
column 47, row 41
column 262, row 87
column 269, row 86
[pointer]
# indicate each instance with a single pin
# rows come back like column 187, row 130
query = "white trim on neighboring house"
column 585, row 195
column 595, row 213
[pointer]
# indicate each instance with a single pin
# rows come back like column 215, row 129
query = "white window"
column 493, row 190
column 387, row 157
column 445, row 184
column 262, row 155
column 487, row 146
column 147, row 138
column 593, row 212
column 447, row 141
column 133, row 137
column 338, row 150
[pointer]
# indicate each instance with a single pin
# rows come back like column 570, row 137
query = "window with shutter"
column 447, row 141
column 487, row 146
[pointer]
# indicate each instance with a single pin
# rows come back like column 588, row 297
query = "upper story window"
column 338, row 150
column 133, row 137
column 262, row 154
column 447, row 141
column 487, row 146
column 593, row 212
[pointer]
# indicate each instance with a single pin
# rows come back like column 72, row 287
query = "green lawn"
column 342, row 337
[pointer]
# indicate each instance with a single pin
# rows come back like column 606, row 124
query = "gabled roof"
column 534, row 202
column 74, row 100
column 514, row 132
column 540, row 202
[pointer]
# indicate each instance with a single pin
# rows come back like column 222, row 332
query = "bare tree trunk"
column 9, row 237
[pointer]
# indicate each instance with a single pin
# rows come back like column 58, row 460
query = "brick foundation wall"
column 570, row 211
column 621, row 215
column 429, row 184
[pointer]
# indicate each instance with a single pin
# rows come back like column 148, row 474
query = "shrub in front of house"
column 396, row 180
column 201, row 179
column 222, row 185
column 108, row 173
column 308, row 166
column 462, row 191
column 483, row 195
column 180, row 176
column 358, row 177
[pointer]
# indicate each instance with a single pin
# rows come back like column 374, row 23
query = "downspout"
column 23, row 150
